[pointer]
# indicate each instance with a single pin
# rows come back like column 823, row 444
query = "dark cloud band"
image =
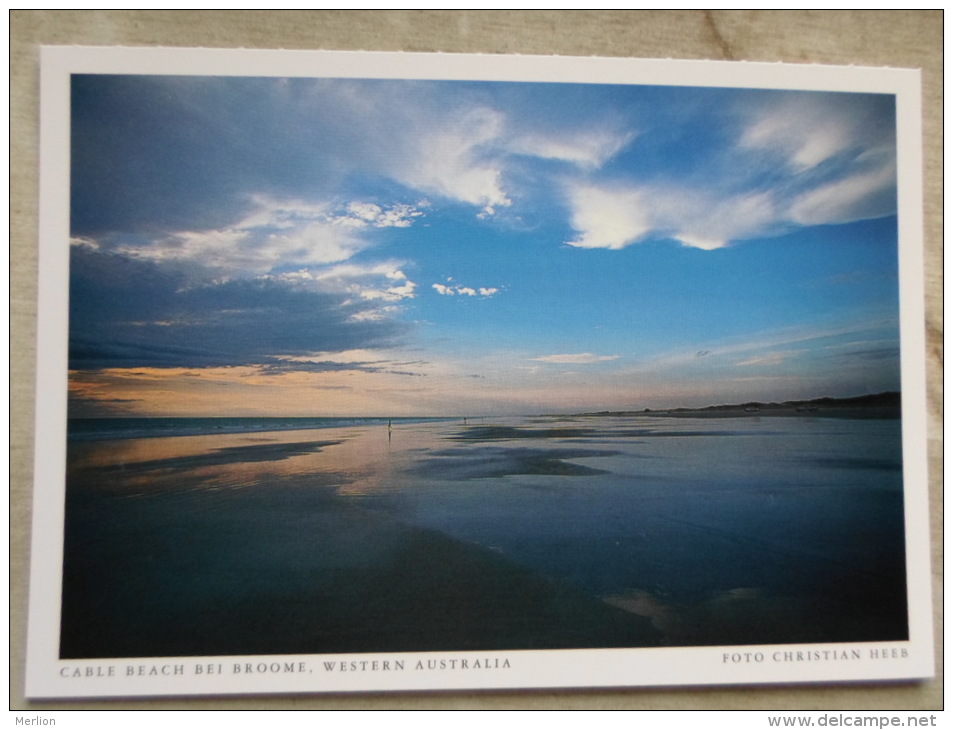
column 128, row 313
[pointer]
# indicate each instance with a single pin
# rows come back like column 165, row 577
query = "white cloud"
column 807, row 131
column 382, row 281
column 580, row 358
column 84, row 242
column 869, row 194
column 268, row 212
column 802, row 159
column 590, row 149
column 455, row 160
column 769, row 359
column 314, row 243
column 369, row 214
column 839, row 160
column 277, row 233
column 770, row 347
column 221, row 249
column 307, row 245
column 364, row 211
column 618, row 218
column 703, row 242
column 607, row 218
column 709, row 218
column 842, row 152
column 706, row 222
column 387, row 269
column 378, row 314
column 391, row 293
column 467, row 291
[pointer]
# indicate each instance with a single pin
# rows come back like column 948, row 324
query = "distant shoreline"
column 880, row 405
column 876, row 406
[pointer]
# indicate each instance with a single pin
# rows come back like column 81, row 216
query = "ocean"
column 108, row 429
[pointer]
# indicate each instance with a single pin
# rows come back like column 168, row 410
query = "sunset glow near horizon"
column 329, row 247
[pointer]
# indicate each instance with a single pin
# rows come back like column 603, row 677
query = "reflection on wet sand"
column 518, row 534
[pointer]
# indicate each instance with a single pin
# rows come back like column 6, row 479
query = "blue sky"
column 248, row 246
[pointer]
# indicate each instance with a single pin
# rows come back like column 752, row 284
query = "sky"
column 332, row 247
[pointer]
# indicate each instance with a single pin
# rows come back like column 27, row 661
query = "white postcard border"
column 47, row 676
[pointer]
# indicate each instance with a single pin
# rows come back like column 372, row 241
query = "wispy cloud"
column 870, row 193
column 773, row 347
column 588, row 149
column 806, row 133
column 714, row 223
column 578, row 358
column 455, row 161
column 809, row 130
column 617, row 218
column 270, row 234
column 298, row 365
column 382, row 281
column 769, row 359
column 800, row 161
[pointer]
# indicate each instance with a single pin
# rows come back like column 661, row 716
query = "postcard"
column 387, row 372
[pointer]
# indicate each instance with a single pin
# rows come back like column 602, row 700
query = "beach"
column 516, row 533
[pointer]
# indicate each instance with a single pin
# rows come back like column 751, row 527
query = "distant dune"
column 879, row 405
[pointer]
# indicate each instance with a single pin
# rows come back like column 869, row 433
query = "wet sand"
column 171, row 557
column 523, row 534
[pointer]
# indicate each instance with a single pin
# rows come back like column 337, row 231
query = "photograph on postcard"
column 406, row 366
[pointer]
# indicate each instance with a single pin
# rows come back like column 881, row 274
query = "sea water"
column 104, row 429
